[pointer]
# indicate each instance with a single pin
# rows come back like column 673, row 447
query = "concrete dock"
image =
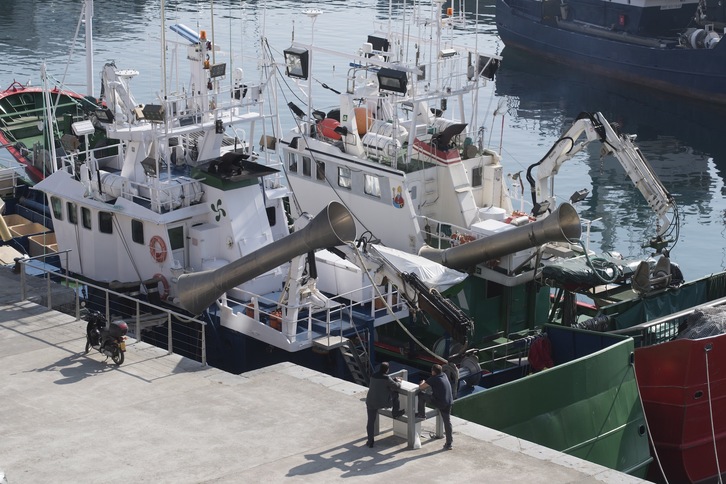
column 74, row 418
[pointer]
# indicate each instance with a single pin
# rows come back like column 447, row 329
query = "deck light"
column 392, row 80
column 296, row 62
column 153, row 112
column 487, row 66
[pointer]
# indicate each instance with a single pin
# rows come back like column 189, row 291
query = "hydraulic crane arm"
column 596, row 127
column 413, row 289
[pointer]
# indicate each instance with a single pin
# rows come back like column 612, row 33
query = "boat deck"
column 70, row 417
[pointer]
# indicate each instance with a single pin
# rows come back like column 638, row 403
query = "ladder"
column 355, row 356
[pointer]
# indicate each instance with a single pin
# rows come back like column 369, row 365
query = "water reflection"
column 681, row 139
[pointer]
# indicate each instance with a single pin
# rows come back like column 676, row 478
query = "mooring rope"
column 647, row 425
column 706, row 349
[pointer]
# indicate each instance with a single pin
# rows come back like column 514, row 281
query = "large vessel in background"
column 661, row 44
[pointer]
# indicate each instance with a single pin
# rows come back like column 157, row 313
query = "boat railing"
column 245, row 102
column 508, row 354
column 440, row 235
column 148, row 322
column 663, row 329
column 10, row 179
column 341, row 307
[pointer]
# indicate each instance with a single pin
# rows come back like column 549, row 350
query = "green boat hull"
column 587, row 405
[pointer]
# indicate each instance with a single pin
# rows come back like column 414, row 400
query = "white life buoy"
column 157, row 247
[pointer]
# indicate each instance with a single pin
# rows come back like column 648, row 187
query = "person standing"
column 440, row 398
column 382, row 393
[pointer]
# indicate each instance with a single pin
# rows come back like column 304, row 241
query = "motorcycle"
column 109, row 340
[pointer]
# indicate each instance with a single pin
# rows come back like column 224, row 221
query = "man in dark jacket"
column 440, row 397
column 381, row 394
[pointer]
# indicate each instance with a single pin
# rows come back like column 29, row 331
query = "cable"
column 708, row 348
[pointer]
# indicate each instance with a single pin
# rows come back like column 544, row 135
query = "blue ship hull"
column 660, row 63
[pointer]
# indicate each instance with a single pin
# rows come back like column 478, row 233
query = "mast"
column 88, row 17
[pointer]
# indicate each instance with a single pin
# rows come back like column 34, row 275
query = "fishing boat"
column 663, row 45
column 184, row 209
column 403, row 150
column 36, row 122
column 586, row 394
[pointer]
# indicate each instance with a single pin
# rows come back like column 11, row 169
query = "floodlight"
column 392, row 80
column 296, row 62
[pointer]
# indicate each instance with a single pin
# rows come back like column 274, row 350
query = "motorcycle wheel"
column 117, row 356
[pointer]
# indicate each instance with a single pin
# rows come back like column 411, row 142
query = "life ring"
column 157, row 247
column 165, row 286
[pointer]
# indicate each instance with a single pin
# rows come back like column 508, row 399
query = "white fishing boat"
column 185, row 208
column 404, row 151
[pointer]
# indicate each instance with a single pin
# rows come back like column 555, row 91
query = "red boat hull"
column 683, row 389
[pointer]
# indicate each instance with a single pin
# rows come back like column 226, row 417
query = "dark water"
column 524, row 111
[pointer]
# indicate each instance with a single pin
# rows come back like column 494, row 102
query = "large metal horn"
column 334, row 225
column 560, row 226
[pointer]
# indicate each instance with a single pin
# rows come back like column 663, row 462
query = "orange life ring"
column 165, row 285
column 157, row 247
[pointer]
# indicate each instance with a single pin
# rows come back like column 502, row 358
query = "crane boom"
column 595, row 127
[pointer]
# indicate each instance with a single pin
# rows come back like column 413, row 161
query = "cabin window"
column 320, row 170
column 72, row 213
column 86, row 218
column 372, row 186
column 176, row 238
column 476, row 176
column 137, row 231
column 292, row 163
column 57, row 205
column 344, row 177
column 413, row 191
column 306, row 166
column 271, row 216
column 105, row 222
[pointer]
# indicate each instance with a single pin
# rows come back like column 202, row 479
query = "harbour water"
column 523, row 111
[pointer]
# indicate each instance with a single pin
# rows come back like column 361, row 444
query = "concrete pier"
column 74, row 418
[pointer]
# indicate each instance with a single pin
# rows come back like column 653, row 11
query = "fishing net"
column 703, row 323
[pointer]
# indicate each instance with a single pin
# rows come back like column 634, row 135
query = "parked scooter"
column 109, row 339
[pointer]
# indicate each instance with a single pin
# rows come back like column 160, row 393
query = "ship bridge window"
column 476, row 176
column 176, row 237
column 137, row 231
column 105, row 222
column 57, row 205
column 292, row 163
column 86, row 218
column 320, row 170
column 72, row 213
column 306, row 166
column 372, row 186
column 344, row 177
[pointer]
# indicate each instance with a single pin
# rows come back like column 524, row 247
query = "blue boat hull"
column 694, row 73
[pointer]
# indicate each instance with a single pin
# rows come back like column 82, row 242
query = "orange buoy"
column 327, row 126
column 275, row 319
column 362, row 120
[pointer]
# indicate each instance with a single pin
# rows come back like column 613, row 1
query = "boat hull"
column 683, row 387
column 23, row 125
column 693, row 73
column 587, row 405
